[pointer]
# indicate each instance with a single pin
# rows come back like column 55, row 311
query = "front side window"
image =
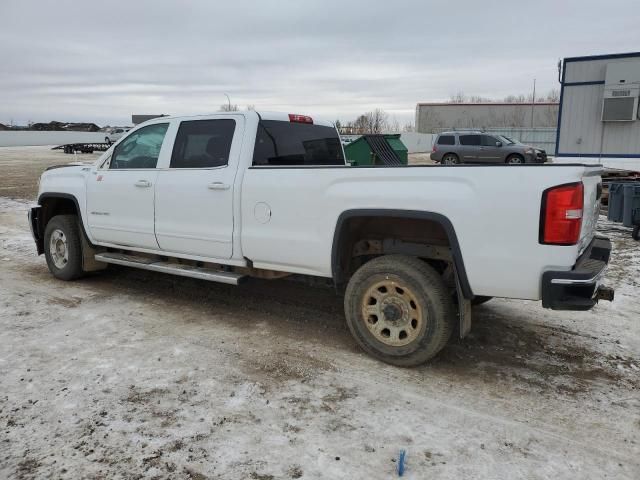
column 470, row 140
column 446, row 140
column 290, row 143
column 489, row 141
column 203, row 143
column 140, row 149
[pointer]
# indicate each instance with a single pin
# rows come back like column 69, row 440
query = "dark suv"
column 451, row 148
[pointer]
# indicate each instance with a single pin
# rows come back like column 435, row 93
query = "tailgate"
column 592, row 182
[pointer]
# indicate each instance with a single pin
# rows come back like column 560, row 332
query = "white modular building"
column 599, row 116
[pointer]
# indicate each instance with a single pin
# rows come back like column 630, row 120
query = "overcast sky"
column 102, row 61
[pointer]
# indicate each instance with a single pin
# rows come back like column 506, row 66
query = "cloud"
column 79, row 60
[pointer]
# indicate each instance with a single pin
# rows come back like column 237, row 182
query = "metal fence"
column 541, row 137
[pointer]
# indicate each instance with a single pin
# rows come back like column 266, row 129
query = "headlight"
column 529, row 151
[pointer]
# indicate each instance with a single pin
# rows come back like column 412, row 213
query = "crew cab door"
column 194, row 195
column 120, row 193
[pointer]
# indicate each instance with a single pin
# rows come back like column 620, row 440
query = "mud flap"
column 464, row 308
column 89, row 263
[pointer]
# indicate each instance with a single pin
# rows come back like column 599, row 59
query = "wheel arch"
column 341, row 237
column 58, row 203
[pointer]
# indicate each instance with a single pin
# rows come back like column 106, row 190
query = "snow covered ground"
column 131, row 374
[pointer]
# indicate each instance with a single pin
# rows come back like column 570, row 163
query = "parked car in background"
column 451, row 148
column 115, row 135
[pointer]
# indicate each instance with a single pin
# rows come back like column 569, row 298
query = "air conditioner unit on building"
column 621, row 92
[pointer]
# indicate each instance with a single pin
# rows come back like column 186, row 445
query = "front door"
column 490, row 152
column 120, row 194
column 194, row 196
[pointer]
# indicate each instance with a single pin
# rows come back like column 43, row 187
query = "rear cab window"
column 282, row 143
column 446, row 140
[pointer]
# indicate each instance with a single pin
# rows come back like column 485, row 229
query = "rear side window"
column 203, row 144
column 469, row 139
column 289, row 143
column 446, row 140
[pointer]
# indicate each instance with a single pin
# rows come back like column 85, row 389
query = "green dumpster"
column 377, row 150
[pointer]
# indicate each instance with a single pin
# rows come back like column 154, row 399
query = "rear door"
column 490, row 152
column 469, row 147
column 194, row 195
column 120, row 192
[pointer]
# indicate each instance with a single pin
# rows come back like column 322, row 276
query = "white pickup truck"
column 229, row 196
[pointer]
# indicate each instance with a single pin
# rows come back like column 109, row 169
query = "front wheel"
column 399, row 310
column 62, row 247
column 515, row 160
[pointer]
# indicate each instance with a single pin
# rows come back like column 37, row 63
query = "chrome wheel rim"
column 58, row 248
column 391, row 312
column 449, row 160
column 515, row 160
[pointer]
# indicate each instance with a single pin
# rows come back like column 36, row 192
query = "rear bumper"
column 579, row 288
column 34, row 224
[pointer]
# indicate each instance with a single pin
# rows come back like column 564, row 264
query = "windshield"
column 289, row 143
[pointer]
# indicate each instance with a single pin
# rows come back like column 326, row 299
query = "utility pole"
column 533, row 101
column 228, row 101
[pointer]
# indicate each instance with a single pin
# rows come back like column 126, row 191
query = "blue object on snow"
column 403, row 453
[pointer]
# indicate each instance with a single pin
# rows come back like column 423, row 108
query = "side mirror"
column 498, row 144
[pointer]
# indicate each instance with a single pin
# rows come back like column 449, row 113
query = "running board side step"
column 154, row 265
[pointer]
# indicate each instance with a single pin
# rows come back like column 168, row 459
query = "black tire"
column 636, row 233
column 71, row 267
column 450, row 159
column 479, row 300
column 515, row 159
column 431, row 301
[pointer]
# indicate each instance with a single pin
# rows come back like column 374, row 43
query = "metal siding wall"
column 581, row 128
column 582, row 109
column 436, row 117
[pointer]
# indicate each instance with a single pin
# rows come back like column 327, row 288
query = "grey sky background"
column 82, row 60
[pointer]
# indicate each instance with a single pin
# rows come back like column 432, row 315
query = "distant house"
column 3, row 127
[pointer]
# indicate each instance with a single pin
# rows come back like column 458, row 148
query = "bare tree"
column 459, row 97
column 229, row 107
column 251, row 107
column 409, row 127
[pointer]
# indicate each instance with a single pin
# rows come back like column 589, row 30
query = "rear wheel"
column 62, row 247
column 450, row 159
column 515, row 159
column 399, row 310
column 636, row 233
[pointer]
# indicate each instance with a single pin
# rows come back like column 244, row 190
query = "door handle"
column 218, row 186
column 143, row 183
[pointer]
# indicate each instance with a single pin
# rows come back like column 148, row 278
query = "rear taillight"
column 434, row 149
column 300, row 118
column 561, row 214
